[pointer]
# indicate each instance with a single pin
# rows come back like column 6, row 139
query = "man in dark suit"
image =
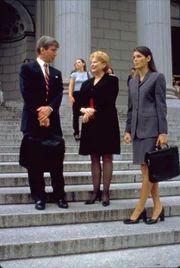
column 42, row 90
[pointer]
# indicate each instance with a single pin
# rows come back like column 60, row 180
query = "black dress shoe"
column 62, row 203
column 77, row 138
column 40, row 205
column 97, row 197
column 106, row 203
column 142, row 216
column 153, row 221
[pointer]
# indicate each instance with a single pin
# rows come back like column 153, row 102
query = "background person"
column 76, row 79
column 26, row 60
column 133, row 71
column 100, row 137
column 41, row 112
column 110, row 71
column 146, row 126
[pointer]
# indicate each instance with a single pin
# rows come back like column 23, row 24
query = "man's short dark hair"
column 45, row 42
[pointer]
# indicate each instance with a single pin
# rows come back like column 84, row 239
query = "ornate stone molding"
column 17, row 25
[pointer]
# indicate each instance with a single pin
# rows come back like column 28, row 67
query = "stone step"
column 69, row 166
column 46, row 241
column 73, row 148
column 66, row 117
column 21, row 195
column 151, row 257
column 66, row 110
column 26, row 215
column 14, row 157
column 73, row 178
column 9, row 148
column 69, row 138
column 9, row 141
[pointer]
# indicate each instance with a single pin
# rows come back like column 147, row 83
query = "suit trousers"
column 76, row 112
column 37, row 183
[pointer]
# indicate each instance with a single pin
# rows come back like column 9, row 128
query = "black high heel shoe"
column 98, row 197
column 106, row 203
column 142, row 216
column 161, row 217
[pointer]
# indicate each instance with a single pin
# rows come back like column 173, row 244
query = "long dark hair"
column 84, row 64
column 147, row 52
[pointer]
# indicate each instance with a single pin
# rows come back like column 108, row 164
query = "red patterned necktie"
column 46, row 79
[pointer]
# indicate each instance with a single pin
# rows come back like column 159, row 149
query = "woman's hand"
column 85, row 118
column 127, row 138
column 88, row 111
column 82, row 110
column 71, row 100
column 162, row 139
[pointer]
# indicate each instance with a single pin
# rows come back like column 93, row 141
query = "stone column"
column 44, row 18
column 154, row 31
column 73, row 32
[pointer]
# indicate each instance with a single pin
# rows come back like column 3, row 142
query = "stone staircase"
column 83, row 236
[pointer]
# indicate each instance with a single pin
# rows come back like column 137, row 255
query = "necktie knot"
column 45, row 65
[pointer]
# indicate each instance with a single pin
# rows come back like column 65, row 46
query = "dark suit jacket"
column 146, row 116
column 32, row 86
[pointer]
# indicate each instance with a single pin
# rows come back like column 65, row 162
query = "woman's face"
column 140, row 61
column 97, row 66
column 79, row 64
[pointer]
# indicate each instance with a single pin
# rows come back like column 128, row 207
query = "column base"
column 170, row 93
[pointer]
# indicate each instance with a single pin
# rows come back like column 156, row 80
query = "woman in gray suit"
column 146, row 126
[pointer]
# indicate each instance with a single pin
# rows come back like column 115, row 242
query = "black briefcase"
column 163, row 163
column 42, row 152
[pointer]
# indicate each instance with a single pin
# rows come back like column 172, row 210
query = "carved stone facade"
column 17, row 43
column 81, row 27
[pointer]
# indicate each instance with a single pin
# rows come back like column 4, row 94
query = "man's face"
column 49, row 54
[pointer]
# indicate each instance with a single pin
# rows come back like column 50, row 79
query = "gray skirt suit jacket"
column 146, row 115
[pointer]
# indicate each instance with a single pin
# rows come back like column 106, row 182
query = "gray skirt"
column 140, row 147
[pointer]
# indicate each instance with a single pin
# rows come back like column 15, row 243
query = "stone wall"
column 12, row 56
column 13, row 52
column 114, row 32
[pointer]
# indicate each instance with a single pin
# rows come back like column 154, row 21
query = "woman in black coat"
column 100, row 136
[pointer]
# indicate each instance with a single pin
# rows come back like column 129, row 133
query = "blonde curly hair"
column 102, row 57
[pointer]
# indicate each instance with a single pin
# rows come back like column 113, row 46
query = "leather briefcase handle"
column 158, row 147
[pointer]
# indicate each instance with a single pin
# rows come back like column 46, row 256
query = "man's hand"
column 45, row 123
column 43, row 113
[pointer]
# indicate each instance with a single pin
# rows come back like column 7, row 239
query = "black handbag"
column 42, row 152
column 163, row 163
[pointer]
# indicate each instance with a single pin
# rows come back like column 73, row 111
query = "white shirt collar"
column 41, row 62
